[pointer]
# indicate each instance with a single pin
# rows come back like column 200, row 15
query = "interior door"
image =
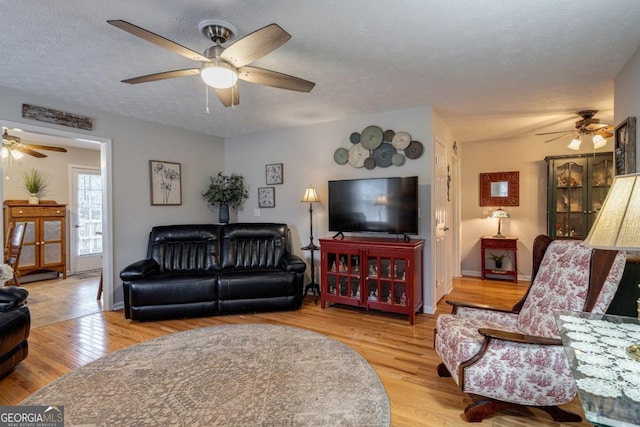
column 441, row 228
column 86, row 219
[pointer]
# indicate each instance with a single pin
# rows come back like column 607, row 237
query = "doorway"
column 85, row 210
column 77, row 138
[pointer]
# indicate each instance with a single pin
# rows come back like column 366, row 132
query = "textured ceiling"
column 491, row 68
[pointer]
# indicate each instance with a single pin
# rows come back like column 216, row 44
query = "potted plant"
column 35, row 183
column 225, row 191
column 497, row 259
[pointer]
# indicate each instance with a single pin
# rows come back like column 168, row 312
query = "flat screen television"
column 383, row 205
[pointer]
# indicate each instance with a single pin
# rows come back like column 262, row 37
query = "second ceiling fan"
column 586, row 126
column 221, row 67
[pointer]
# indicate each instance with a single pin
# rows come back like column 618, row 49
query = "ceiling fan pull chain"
column 206, row 88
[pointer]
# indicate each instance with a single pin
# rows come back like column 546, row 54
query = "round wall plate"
column 382, row 155
column 371, row 137
column 341, row 156
column 414, row 150
column 398, row 159
column 354, row 138
column 401, row 140
column 357, row 155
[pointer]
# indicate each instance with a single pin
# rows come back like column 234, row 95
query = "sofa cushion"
column 255, row 283
column 12, row 296
column 177, row 288
column 253, row 245
column 191, row 247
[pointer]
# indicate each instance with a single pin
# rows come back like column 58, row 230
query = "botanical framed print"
column 166, row 183
column 266, row 197
column 274, row 174
column 625, row 150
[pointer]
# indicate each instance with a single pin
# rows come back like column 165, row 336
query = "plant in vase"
column 497, row 259
column 225, row 191
column 34, row 183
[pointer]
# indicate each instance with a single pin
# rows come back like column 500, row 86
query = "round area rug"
column 235, row 375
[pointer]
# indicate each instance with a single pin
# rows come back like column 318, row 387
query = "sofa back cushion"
column 192, row 247
column 253, row 245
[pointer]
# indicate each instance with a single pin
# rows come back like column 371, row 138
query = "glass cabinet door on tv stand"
column 373, row 273
column 577, row 187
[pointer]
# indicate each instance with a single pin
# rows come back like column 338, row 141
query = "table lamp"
column 311, row 197
column 500, row 214
column 617, row 225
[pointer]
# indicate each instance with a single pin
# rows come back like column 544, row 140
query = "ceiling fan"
column 587, row 126
column 221, row 67
column 13, row 145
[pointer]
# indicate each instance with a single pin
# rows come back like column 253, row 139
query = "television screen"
column 386, row 205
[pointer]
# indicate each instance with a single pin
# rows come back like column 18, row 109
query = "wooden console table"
column 499, row 245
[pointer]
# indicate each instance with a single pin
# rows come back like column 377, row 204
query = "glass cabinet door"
column 386, row 280
column 343, row 275
column 569, row 198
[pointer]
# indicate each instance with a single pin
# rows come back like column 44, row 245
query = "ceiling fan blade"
column 255, row 45
column 45, row 147
column 163, row 76
column 604, row 134
column 229, row 96
column 157, row 40
column 28, row 151
column 558, row 137
column 275, row 79
column 551, row 133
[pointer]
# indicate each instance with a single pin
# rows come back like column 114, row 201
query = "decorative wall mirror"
column 499, row 189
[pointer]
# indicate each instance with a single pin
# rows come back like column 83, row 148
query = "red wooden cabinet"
column 375, row 273
column 505, row 246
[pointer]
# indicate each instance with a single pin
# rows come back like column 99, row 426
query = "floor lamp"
column 311, row 197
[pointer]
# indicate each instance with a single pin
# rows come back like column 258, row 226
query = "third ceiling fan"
column 587, row 126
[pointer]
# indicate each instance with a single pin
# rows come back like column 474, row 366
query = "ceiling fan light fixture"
column 219, row 74
column 5, row 152
column 16, row 154
column 599, row 141
column 575, row 144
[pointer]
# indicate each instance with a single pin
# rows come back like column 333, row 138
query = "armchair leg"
column 443, row 371
column 478, row 411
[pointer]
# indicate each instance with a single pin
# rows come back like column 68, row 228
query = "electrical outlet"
column 256, row 212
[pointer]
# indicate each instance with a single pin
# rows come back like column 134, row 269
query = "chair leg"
column 478, row 411
column 443, row 371
column 560, row 415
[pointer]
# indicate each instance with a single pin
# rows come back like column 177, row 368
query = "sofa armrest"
column 12, row 297
column 139, row 269
column 294, row 263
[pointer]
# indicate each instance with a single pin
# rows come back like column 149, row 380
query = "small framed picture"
column 625, row 149
column 274, row 174
column 266, row 197
column 166, row 183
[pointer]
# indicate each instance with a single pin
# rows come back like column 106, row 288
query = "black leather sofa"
column 209, row 269
column 15, row 324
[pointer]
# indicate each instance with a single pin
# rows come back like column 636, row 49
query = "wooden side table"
column 499, row 245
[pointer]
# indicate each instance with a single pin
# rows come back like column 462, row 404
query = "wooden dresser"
column 44, row 246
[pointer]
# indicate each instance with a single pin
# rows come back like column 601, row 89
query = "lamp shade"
column 599, row 141
column 499, row 213
column 617, row 225
column 310, row 195
column 574, row 144
column 219, row 74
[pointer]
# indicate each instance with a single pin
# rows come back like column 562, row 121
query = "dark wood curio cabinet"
column 375, row 273
column 577, row 187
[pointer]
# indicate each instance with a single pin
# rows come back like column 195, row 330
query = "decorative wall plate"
column 341, row 156
column 382, row 155
column 388, row 135
column 398, row 159
column 357, row 154
column 354, row 138
column 371, row 137
column 401, row 140
column 414, row 150
column 369, row 163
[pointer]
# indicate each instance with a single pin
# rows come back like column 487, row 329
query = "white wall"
column 307, row 155
column 134, row 143
column 627, row 96
column 528, row 220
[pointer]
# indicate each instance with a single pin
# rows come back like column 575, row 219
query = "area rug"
column 232, row 375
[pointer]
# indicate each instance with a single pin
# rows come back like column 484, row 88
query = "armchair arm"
column 465, row 304
column 139, row 269
column 519, row 338
column 12, row 297
column 294, row 263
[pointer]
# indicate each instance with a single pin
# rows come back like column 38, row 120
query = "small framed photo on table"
column 266, row 197
column 274, row 174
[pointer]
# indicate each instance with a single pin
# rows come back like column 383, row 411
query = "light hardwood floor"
column 401, row 354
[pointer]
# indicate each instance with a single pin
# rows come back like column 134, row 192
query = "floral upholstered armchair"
column 515, row 357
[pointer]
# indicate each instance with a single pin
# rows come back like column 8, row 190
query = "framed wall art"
column 500, row 189
column 274, row 174
column 166, row 183
column 266, row 197
column 625, row 149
